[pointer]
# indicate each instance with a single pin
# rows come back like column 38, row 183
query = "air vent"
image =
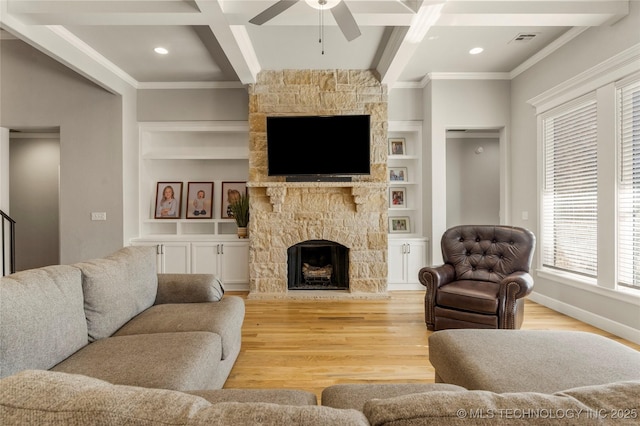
column 524, row 37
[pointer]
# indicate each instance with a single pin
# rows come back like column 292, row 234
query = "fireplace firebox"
column 318, row 265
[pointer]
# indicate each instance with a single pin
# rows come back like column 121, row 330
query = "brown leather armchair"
column 483, row 281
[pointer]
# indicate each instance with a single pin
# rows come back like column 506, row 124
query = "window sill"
column 623, row 294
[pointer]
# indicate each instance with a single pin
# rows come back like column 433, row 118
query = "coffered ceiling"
column 213, row 42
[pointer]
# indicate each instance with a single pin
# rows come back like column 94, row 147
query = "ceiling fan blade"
column 346, row 21
column 272, row 11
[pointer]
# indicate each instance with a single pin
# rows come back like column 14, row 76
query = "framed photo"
column 231, row 192
column 398, row 174
column 168, row 200
column 397, row 146
column 399, row 224
column 397, row 197
column 199, row 200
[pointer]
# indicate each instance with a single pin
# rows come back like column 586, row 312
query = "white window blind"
column 569, row 212
column 629, row 185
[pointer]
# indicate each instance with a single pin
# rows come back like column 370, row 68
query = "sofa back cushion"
column 41, row 318
column 117, row 288
column 618, row 403
column 45, row 397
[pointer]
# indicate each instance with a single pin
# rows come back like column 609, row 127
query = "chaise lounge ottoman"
column 542, row 361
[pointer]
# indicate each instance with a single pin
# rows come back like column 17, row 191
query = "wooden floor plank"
column 312, row 344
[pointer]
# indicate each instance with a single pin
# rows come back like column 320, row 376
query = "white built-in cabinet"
column 407, row 247
column 406, row 258
column 201, row 151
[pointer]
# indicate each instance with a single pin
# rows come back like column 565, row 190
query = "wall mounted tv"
column 319, row 147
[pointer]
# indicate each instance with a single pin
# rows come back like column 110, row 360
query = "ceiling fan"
column 339, row 10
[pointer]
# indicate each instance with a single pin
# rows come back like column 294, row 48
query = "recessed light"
column 476, row 50
column 161, row 50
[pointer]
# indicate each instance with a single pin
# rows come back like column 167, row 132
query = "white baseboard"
column 405, row 287
column 603, row 323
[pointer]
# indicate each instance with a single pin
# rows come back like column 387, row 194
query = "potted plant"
column 240, row 213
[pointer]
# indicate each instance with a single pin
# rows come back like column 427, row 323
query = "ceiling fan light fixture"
column 322, row 4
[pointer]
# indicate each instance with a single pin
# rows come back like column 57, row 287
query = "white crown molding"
column 548, row 50
column 191, row 85
column 464, row 76
column 614, row 68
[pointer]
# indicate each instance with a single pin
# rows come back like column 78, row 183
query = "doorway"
column 34, row 166
column 473, row 176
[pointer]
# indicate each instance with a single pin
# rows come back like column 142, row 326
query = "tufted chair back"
column 487, row 253
column 484, row 279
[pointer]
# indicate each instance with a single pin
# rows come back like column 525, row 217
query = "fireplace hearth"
column 318, row 265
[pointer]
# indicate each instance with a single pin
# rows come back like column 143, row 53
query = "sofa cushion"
column 117, row 288
column 41, row 318
column 178, row 361
column 529, row 360
column 354, row 395
column 614, row 403
column 259, row 413
column 272, row 396
column 223, row 318
column 44, row 397
column 50, row 398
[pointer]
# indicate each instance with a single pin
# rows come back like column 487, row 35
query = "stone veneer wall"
column 284, row 214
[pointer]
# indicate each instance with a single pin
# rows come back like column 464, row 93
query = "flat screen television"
column 318, row 146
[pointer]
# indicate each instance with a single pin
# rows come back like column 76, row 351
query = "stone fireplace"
column 349, row 217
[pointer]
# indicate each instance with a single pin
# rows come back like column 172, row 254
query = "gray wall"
column 473, row 181
column 591, row 48
column 40, row 92
column 458, row 104
column 34, row 195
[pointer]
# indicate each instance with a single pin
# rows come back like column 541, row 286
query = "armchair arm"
column 432, row 278
column 516, row 285
column 513, row 287
column 188, row 288
column 436, row 275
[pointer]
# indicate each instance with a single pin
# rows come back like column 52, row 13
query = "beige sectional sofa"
column 110, row 342
column 117, row 320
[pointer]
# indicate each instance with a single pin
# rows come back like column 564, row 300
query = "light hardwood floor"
column 312, row 344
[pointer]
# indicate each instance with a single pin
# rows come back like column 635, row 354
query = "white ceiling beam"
column 404, row 42
column 565, row 13
column 233, row 40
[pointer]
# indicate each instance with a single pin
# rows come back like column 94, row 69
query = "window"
column 628, row 102
column 569, row 198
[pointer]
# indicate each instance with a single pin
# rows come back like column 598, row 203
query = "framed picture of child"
column 399, row 224
column 397, row 146
column 168, row 200
column 397, row 197
column 199, row 200
column 231, row 193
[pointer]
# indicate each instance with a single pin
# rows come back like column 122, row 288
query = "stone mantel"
column 277, row 191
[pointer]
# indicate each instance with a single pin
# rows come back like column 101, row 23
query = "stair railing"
column 6, row 220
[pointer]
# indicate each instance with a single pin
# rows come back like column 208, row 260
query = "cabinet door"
column 396, row 263
column 205, row 258
column 416, row 259
column 175, row 258
column 235, row 263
